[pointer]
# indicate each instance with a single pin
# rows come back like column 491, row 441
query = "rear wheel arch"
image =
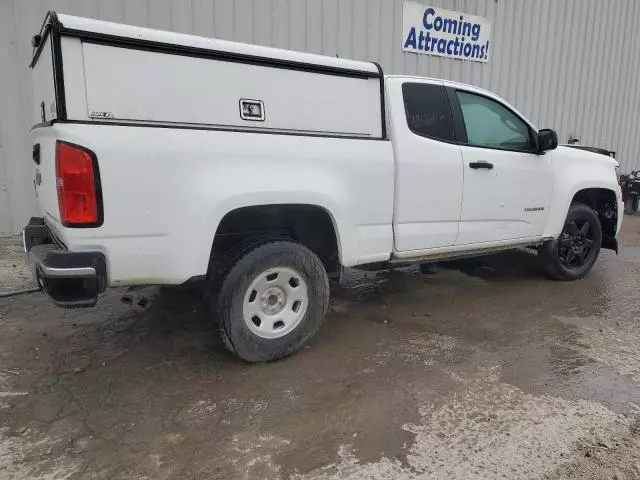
column 311, row 225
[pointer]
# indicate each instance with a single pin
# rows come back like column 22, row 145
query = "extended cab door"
column 507, row 186
column 428, row 187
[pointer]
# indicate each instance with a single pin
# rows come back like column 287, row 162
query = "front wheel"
column 272, row 301
column 574, row 252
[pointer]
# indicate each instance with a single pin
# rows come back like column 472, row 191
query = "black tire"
column 575, row 251
column 219, row 268
column 634, row 204
column 229, row 288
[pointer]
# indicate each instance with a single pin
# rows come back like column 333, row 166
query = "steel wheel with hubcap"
column 574, row 252
column 275, row 302
column 273, row 296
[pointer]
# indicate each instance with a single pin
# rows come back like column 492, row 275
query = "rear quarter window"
column 428, row 111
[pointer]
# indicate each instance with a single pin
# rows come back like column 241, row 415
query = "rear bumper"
column 70, row 279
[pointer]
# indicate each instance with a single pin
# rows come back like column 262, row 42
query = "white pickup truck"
column 161, row 158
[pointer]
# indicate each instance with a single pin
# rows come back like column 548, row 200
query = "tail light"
column 78, row 185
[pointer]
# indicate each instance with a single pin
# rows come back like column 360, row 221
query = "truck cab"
column 490, row 170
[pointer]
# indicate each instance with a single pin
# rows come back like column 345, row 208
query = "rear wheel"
column 574, row 252
column 272, row 300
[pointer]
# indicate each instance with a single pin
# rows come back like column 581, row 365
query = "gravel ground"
column 15, row 272
column 484, row 369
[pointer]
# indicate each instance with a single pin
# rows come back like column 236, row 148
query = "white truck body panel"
column 167, row 88
column 175, row 156
column 174, row 188
column 507, row 203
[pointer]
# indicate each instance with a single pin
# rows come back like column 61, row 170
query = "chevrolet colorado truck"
column 161, row 158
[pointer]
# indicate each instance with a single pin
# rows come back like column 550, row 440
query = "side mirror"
column 547, row 140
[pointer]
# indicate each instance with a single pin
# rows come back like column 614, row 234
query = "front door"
column 507, row 186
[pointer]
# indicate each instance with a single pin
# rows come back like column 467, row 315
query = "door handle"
column 481, row 164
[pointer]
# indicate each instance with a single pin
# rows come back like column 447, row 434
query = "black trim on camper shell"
column 263, row 131
column 52, row 26
column 383, row 107
column 48, row 123
column 61, row 99
column 38, row 40
column 198, row 52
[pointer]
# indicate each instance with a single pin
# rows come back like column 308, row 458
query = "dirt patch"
column 492, row 430
column 15, row 272
column 616, row 460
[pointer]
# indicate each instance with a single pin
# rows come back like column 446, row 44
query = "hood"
column 584, row 155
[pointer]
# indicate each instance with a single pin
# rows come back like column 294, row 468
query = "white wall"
column 572, row 65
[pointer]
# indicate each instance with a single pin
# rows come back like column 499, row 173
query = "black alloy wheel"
column 576, row 244
column 575, row 251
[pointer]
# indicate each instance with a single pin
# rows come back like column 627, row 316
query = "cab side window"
column 428, row 111
column 491, row 124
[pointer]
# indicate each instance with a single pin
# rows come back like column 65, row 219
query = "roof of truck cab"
column 71, row 24
column 415, row 77
column 465, row 86
column 449, row 83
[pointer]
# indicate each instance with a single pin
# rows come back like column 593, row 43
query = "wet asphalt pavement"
column 484, row 369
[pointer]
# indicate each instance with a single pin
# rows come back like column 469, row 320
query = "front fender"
column 574, row 171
